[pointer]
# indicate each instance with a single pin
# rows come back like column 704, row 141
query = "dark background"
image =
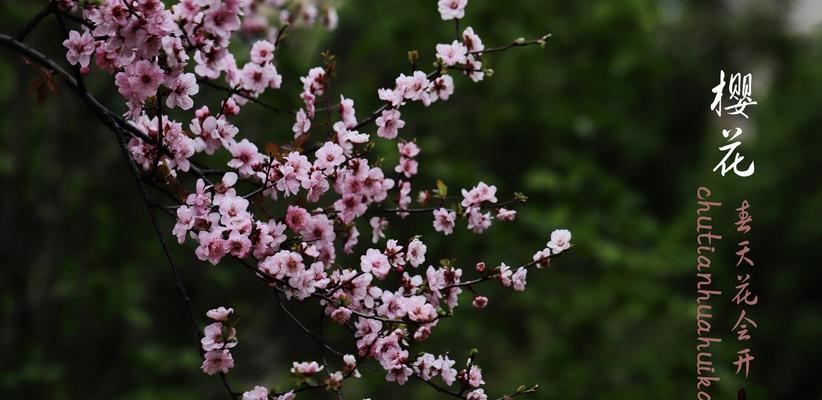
column 608, row 130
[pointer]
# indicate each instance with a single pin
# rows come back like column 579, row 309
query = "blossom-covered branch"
column 321, row 176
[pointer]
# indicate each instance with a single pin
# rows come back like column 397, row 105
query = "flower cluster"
column 218, row 339
column 389, row 296
column 268, row 17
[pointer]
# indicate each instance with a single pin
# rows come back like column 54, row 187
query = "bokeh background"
column 607, row 130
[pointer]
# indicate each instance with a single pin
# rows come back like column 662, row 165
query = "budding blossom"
column 480, row 302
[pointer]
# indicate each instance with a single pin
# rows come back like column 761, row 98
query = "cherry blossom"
column 444, row 220
column 217, row 361
column 451, row 9
column 182, row 88
column 389, row 124
column 258, row 393
column 560, row 241
column 80, row 48
column 452, row 54
column 285, row 213
column 306, row 368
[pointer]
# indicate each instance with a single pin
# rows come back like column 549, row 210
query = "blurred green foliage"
column 607, row 130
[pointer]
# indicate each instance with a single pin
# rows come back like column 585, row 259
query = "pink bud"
column 85, row 70
column 480, row 302
column 480, row 267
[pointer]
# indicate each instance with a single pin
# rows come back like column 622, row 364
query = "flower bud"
column 480, row 302
column 481, row 267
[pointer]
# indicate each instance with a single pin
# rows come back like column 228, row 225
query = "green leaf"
column 442, row 189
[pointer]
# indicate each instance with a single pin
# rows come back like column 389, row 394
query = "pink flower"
column 256, row 78
column 480, row 302
column 329, row 156
column 238, row 244
column 217, row 361
column 314, row 83
column 414, row 87
column 478, row 394
column 378, row 226
column 471, row 40
column 479, row 194
column 375, row 262
column 306, row 368
column 408, row 149
column 473, row 68
column 341, row 315
column 291, row 396
column 447, row 372
column 505, row 274
column 478, row 222
column 399, row 372
column 444, row 220
column 416, row 253
column 80, row 48
column 407, row 166
column 210, row 63
column 185, row 221
column 222, row 20
column 245, row 157
column 426, row 366
column 450, row 9
column 541, row 257
column 350, row 364
column 258, row 393
column 389, row 124
column 452, row 54
column 182, row 88
column 391, row 307
column 350, row 206
column 504, row 214
column 560, row 241
column 475, row 376
column 214, row 339
column 518, row 279
column 212, row 246
column 317, row 185
column 220, row 314
column 139, row 80
column 418, row 309
column 347, row 112
column 302, row 124
column 262, row 52
column 394, row 97
column 443, row 87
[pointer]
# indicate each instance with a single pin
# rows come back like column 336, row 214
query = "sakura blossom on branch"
column 320, row 170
